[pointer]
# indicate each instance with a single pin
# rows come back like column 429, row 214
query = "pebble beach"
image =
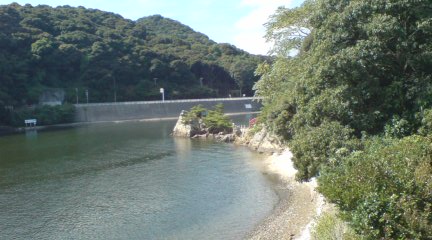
column 299, row 205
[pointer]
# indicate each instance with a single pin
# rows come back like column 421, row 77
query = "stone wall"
column 96, row 112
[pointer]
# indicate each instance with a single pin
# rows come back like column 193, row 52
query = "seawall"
column 96, row 112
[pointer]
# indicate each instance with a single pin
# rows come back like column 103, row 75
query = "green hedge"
column 45, row 115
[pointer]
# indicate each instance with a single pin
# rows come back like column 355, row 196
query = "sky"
column 238, row 22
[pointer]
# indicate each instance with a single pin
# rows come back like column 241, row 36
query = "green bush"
column 398, row 128
column 330, row 227
column 426, row 123
column 214, row 120
column 5, row 115
column 317, row 146
column 385, row 191
column 194, row 114
column 216, row 123
column 49, row 115
column 45, row 115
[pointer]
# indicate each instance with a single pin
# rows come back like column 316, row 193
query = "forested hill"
column 77, row 48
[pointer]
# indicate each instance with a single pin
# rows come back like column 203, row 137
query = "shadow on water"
column 88, row 169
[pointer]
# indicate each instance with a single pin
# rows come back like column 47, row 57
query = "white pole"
column 163, row 94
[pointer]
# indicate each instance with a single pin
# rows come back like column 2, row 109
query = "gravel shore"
column 299, row 203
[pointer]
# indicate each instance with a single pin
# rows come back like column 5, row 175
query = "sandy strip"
column 299, row 203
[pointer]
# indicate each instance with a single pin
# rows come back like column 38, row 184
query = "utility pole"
column 163, row 94
column 76, row 92
column 115, row 90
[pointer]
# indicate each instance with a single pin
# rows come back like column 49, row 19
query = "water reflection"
column 183, row 148
column 31, row 134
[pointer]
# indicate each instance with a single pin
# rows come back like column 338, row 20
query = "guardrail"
column 169, row 101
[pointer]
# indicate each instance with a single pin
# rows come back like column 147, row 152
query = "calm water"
column 128, row 181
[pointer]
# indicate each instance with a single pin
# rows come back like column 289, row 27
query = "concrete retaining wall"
column 96, row 112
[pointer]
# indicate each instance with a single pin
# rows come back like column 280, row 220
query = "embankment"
column 98, row 112
column 299, row 204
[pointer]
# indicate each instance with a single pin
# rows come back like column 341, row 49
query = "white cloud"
column 250, row 28
column 252, row 42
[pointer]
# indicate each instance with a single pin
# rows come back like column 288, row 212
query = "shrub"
column 398, row 128
column 385, row 191
column 314, row 147
column 194, row 114
column 278, row 118
column 426, row 123
column 214, row 120
column 5, row 115
column 330, row 227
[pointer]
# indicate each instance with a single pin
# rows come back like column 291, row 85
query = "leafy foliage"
column 316, row 147
column 426, row 123
column 386, row 189
column 217, row 122
column 194, row 114
column 214, row 120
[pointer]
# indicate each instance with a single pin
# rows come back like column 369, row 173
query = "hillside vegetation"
column 355, row 107
column 78, row 49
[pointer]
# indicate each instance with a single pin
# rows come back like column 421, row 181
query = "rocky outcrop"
column 261, row 141
column 187, row 130
column 197, row 129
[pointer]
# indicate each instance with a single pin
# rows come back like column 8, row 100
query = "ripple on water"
column 128, row 181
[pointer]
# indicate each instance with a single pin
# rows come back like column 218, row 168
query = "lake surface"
column 128, row 180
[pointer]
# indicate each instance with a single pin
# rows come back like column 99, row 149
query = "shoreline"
column 298, row 207
column 7, row 130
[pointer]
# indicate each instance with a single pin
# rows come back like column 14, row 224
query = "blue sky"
column 238, row 22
